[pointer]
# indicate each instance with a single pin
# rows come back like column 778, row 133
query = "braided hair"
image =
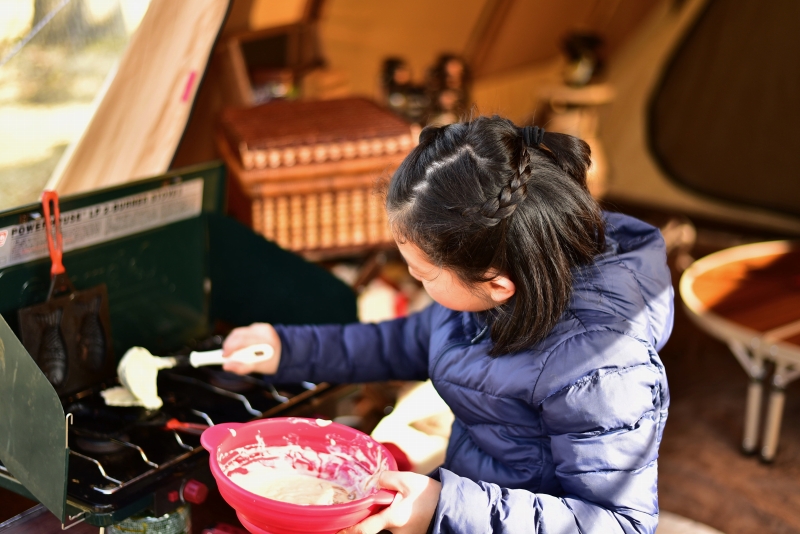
column 485, row 197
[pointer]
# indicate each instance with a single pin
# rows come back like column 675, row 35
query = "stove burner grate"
column 99, row 445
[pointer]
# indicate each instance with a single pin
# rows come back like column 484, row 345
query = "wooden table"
column 749, row 297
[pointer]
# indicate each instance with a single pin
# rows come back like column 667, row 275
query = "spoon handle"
column 248, row 355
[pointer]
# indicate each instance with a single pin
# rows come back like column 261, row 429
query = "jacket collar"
column 475, row 326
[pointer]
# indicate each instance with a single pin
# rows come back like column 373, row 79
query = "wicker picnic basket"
column 308, row 169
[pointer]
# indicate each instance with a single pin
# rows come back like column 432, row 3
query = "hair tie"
column 533, row 135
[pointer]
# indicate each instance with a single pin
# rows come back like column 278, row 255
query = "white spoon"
column 138, row 369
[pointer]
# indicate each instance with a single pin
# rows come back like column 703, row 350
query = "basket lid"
column 298, row 123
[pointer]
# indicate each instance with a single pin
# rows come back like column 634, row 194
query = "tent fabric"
column 141, row 116
column 636, row 177
column 735, row 137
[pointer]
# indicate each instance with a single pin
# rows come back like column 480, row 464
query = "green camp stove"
column 179, row 275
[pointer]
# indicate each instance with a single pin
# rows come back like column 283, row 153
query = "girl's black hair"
column 475, row 199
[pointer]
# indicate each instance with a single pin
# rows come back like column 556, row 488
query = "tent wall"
column 636, row 176
column 514, row 45
column 139, row 121
column 736, row 136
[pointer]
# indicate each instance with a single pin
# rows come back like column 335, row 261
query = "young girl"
column 543, row 339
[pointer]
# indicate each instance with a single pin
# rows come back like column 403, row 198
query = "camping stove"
column 178, row 276
column 130, row 457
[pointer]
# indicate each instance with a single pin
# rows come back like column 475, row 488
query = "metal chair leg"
column 784, row 373
column 772, row 429
column 752, row 415
column 753, row 364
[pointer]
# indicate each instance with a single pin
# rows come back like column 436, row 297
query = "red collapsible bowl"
column 225, row 443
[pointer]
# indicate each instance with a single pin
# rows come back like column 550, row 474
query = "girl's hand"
column 412, row 509
column 243, row 337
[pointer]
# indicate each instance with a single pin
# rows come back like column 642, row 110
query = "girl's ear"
column 501, row 288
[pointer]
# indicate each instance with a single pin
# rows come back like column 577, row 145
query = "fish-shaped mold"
column 91, row 337
column 52, row 350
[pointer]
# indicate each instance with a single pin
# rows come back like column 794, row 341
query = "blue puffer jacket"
column 560, row 438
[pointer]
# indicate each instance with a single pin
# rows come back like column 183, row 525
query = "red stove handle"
column 55, row 242
column 192, row 428
column 215, row 435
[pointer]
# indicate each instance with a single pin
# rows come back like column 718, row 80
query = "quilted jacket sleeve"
column 604, row 429
column 391, row 350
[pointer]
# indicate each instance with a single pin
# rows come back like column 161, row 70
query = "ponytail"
column 571, row 154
